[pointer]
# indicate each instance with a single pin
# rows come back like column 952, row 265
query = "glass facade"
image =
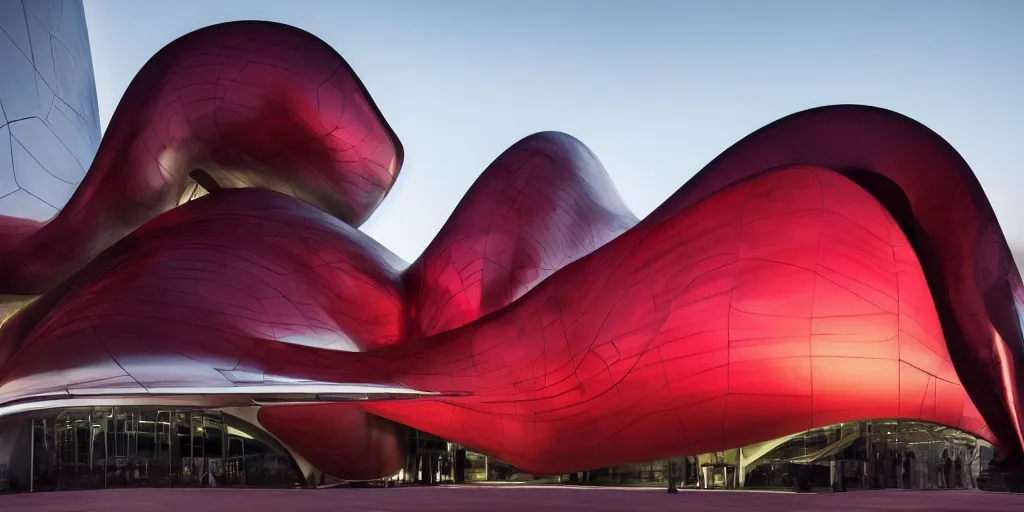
column 876, row 454
column 104, row 447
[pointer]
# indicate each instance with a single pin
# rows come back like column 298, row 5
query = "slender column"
column 32, row 459
column 106, row 449
column 74, row 430
column 191, row 445
column 460, row 466
column 671, row 477
column 224, row 440
column 56, row 448
column 172, row 437
column 92, row 445
column 244, row 474
column 870, row 469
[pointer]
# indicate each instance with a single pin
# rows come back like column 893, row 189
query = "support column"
column 870, row 452
column 106, row 449
column 32, row 460
column 460, row 466
column 671, row 477
column 92, row 446
column 225, row 439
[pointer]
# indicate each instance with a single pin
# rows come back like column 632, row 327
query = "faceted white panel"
column 47, row 148
column 12, row 21
column 50, row 129
column 22, row 204
column 7, row 182
column 18, row 91
column 33, row 177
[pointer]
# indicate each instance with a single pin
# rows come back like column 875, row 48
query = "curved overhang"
column 938, row 202
column 206, row 397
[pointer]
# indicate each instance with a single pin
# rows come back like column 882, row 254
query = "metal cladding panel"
column 49, row 129
column 840, row 264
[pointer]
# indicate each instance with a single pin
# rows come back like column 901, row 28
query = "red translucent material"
column 839, row 265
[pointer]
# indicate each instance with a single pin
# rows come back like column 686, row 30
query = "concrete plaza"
column 502, row 499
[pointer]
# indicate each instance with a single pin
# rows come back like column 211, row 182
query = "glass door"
column 197, row 453
column 45, row 456
column 73, row 435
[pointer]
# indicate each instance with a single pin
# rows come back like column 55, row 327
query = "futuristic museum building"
column 189, row 300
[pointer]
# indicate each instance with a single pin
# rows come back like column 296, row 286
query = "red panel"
column 934, row 196
column 752, row 304
column 253, row 104
column 341, row 441
column 748, row 414
column 549, row 373
column 542, row 204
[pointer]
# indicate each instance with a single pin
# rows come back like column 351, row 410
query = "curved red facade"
column 838, row 265
column 247, row 105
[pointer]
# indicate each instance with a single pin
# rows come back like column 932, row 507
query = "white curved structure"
column 50, row 128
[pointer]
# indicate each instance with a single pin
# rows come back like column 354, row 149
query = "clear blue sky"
column 656, row 88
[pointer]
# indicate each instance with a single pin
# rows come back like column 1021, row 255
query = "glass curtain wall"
column 95, row 448
column 876, row 454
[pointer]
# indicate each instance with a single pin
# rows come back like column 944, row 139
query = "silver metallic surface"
column 50, row 129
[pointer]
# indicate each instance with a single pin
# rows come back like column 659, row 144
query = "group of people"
column 950, row 471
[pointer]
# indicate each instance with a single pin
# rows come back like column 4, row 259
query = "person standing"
column 958, row 468
column 946, row 469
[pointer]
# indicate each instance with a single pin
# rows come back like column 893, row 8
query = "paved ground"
column 489, row 499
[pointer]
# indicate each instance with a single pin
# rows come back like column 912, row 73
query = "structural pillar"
column 32, row 459
column 460, row 466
